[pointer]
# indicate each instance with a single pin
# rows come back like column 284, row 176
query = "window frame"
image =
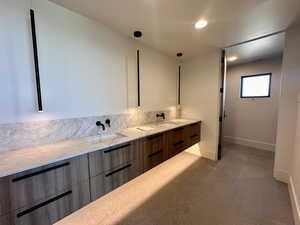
column 256, row 75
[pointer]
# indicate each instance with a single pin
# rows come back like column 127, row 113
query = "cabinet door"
column 176, row 141
column 108, row 181
column 55, row 208
column 5, row 219
column 193, row 134
column 154, row 151
column 4, row 196
column 105, row 160
column 38, row 184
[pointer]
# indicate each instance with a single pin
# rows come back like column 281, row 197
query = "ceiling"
column 264, row 48
column 168, row 25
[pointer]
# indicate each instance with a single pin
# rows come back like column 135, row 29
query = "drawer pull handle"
column 27, row 211
column 178, row 143
column 40, row 172
column 178, row 129
column 118, row 170
column 195, row 135
column 154, row 136
column 155, row 153
column 117, row 148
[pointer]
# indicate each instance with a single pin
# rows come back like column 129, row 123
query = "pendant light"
column 137, row 35
column 179, row 55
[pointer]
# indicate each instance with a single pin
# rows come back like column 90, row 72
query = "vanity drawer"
column 108, row 159
column 108, row 181
column 193, row 134
column 4, row 196
column 176, row 141
column 154, row 151
column 37, row 184
column 5, row 219
column 54, row 208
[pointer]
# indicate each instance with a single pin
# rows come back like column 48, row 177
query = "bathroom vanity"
column 43, row 184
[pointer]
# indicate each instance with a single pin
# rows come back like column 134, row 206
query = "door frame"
column 222, row 101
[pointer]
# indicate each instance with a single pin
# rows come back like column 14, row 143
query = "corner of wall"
column 281, row 176
column 294, row 201
column 210, row 155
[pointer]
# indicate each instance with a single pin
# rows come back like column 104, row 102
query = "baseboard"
column 250, row 143
column 282, row 176
column 294, row 200
column 209, row 155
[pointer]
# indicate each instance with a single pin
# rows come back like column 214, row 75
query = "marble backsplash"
column 21, row 135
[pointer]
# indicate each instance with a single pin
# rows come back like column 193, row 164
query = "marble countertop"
column 20, row 160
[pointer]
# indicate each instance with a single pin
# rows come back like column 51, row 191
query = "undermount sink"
column 145, row 128
column 165, row 124
column 102, row 138
column 179, row 121
column 169, row 123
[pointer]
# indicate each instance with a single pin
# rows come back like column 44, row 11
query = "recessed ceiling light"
column 201, row 24
column 232, row 58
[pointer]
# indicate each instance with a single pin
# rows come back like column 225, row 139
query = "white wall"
column 159, row 78
column 252, row 122
column 200, row 98
column 86, row 69
column 287, row 108
column 294, row 179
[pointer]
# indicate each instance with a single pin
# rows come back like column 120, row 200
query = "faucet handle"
column 107, row 121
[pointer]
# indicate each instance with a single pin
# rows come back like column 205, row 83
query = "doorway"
column 250, row 96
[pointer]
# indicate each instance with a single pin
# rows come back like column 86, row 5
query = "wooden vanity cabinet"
column 5, row 203
column 193, row 134
column 176, row 141
column 114, row 167
column 39, row 184
column 154, row 148
column 54, row 208
column 182, row 138
column 47, row 194
column 5, row 219
column 108, row 159
column 110, row 180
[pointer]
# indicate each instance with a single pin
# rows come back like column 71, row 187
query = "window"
column 256, row 86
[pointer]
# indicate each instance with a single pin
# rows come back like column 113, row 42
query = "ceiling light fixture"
column 201, row 24
column 232, row 58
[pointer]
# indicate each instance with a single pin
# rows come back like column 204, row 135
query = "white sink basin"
column 103, row 138
column 179, row 121
column 165, row 124
column 145, row 128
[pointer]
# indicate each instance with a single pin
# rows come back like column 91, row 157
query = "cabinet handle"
column 178, row 129
column 155, row 153
column 195, row 135
column 40, row 172
column 118, row 170
column 154, row 136
column 117, row 148
column 178, row 143
column 27, row 211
